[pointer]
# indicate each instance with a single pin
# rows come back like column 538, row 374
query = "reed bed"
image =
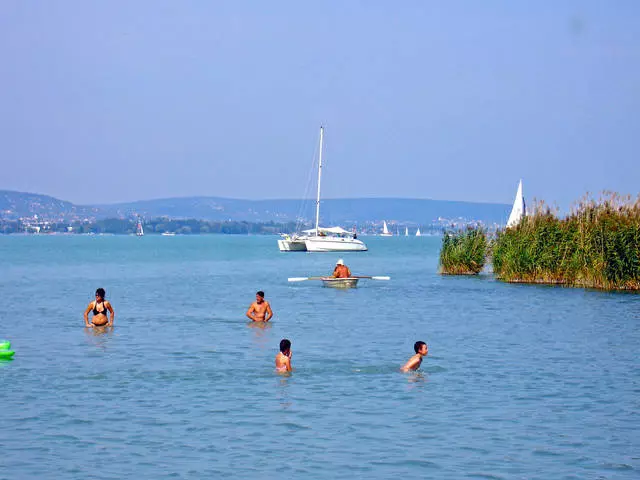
column 596, row 246
column 464, row 252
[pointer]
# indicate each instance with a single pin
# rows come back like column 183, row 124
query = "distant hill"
column 333, row 211
column 20, row 204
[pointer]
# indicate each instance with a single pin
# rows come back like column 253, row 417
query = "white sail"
column 406, row 231
column 418, row 234
column 139, row 229
column 519, row 209
column 385, row 230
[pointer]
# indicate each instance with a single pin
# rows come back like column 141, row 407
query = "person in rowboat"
column 260, row 310
column 341, row 270
column 99, row 307
column 414, row 362
column 283, row 357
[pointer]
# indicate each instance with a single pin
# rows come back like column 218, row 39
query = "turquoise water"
column 520, row 382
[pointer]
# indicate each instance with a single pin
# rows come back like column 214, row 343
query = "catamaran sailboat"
column 519, row 209
column 385, row 230
column 322, row 239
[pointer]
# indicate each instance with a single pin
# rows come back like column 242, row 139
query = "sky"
column 112, row 101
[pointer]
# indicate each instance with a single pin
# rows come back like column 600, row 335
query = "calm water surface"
column 521, row 381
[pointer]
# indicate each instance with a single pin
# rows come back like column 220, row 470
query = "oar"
column 378, row 277
column 302, row 279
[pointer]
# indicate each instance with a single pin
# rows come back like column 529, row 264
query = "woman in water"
column 283, row 358
column 99, row 307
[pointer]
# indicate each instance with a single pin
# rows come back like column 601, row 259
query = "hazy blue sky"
column 122, row 100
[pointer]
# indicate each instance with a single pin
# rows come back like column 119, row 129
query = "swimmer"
column 100, row 307
column 414, row 362
column 260, row 310
column 283, row 358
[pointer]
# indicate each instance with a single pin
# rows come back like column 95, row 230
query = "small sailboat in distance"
column 385, row 230
column 406, row 231
column 519, row 209
column 139, row 229
column 418, row 234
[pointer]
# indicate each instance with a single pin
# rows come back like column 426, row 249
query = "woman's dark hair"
column 417, row 346
column 101, row 292
column 285, row 345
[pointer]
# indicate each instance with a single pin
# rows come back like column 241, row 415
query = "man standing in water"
column 414, row 362
column 260, row 310
column 100, row 307
column 341, row 270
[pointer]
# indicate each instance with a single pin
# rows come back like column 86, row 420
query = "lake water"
column 520, row 382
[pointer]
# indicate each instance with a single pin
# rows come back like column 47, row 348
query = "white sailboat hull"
column 335, row 244
column 297, row 245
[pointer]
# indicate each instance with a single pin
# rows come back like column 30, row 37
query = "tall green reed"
column 463, row 252
column 596, row 246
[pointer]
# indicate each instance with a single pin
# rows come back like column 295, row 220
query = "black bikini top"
column 99, row 312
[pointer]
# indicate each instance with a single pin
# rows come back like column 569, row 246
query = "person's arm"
column 348, row 272
column 269, row 313
column 288, row 362
column 113, row 314
column 335, row 272
column 413, row 361
column 86, row 315
column 250, row 312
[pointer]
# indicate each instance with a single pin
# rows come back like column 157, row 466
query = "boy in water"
column 260, row 310
column 283, row 358
column 414, row 362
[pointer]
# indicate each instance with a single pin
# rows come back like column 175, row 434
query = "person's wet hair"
column 285, row 345
column 260, row 293
column 418, row 345
column 101, row 292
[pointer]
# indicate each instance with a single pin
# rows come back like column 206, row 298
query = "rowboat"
column 333, row 282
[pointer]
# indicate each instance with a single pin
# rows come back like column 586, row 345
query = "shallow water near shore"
column 521, row 381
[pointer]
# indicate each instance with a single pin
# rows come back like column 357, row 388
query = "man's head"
column 285, row 345
column 260, row 296
column 421, row 348
column 340, row 262
column 100, row 293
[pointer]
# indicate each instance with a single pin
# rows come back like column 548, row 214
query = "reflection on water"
column 262, row 337
column 259, row 325
column 99, row 336
column 415, row 379
column 282, row 390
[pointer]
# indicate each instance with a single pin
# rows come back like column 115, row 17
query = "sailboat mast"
column 319, row 178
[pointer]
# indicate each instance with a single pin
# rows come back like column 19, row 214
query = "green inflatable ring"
column 5, row 344
column 6, row 354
